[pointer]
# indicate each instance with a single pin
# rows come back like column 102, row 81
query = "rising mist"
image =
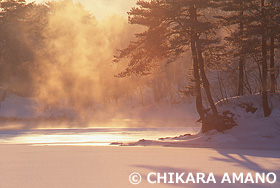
column 69, row 64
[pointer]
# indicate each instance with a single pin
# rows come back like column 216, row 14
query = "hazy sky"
column 103, row 8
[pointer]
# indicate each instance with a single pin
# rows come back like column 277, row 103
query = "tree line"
column 237, row 36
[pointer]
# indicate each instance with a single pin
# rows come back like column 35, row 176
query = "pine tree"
column 264, row 28
column 273, row 32
column 173, row 26
column 258, row 24
column 258, row 30
column 236, row 14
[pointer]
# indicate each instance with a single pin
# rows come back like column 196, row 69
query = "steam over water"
column 73, row 66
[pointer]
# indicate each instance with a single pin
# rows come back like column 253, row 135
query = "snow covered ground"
column 106, row 167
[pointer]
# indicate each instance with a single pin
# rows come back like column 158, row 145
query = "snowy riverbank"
column 252, row 132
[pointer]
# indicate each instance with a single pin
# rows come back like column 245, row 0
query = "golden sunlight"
column 102, row 8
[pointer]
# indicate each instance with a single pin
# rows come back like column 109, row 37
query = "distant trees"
column 234, row 14
column 12, row 50
column 19, row 21
column 257, row 23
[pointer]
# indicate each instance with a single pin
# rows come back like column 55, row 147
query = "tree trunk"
column 4, row 94
column 272, row 66
column 206, row 84
column 214, row 120
column 241, row 60
column 265, row 105
column 199, row 105
column 205, row 81
column 241, row 77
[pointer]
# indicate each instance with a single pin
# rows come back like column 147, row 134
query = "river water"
column 89, row 136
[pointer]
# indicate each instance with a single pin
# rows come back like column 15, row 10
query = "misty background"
column 59, row 56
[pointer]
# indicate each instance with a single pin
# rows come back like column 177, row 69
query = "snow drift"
column 254, row 131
